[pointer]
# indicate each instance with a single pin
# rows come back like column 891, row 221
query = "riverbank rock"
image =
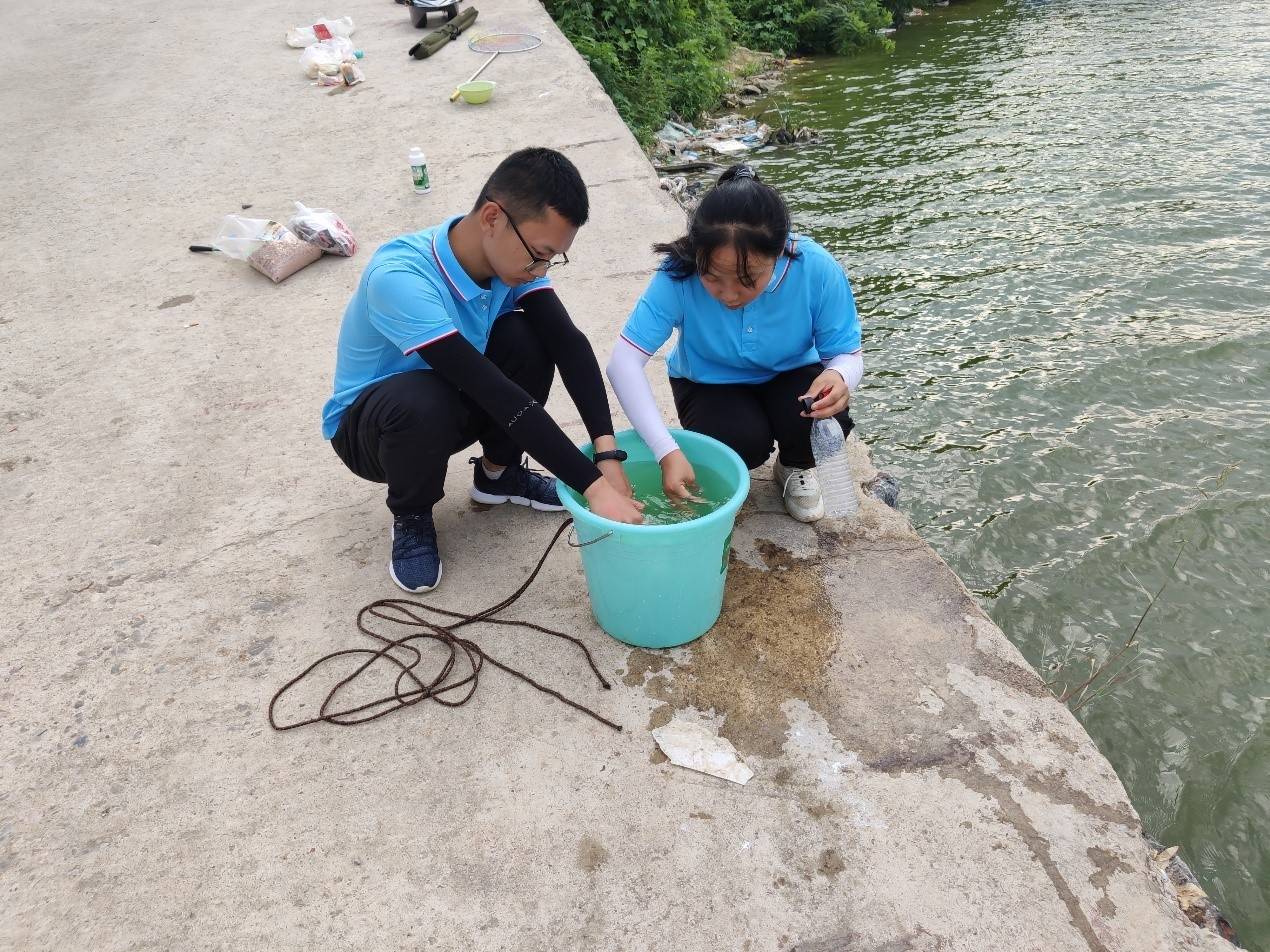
column 885, row 488
column 1191, row 898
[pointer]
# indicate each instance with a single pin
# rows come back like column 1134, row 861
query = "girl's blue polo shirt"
column 413, row 292
column 805, row 315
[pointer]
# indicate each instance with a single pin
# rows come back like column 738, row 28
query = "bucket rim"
column 581, row 514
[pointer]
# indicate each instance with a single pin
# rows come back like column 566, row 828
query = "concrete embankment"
column 179, row 542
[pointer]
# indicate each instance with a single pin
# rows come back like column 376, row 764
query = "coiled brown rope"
column 409, row 688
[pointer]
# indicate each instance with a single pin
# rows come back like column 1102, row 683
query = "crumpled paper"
column 695, row 747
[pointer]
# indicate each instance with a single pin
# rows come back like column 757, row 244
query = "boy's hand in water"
column 831, row 393
column 606, row 501
column 611, row 468
column 616, row 477
column 678, row 481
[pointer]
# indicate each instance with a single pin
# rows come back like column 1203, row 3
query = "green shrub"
column 837, row 27
column 653, row 57
column 662, row 57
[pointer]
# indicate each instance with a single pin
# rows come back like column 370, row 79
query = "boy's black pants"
column 402, row 431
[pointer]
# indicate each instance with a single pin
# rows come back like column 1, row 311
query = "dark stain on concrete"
column 661, row 716
column 935, row 752
column 831, row 863
column 932, row 751
column 774, row 641
column 1013, row 813
column 176, row 301
column 259, row 645
column 591, row 854
column 819, row 811
column 1058, row 789
column 1024, row 680
column 640, row 664
column 1106, row 864
column 9, row 465
column 916, row 941
column 1064, row 742
column 783, row 776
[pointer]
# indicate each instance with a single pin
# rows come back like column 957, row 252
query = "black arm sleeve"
column 571, row 352
column 510, row 407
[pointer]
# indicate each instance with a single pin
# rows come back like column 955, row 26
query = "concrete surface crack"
column 1013, row 813
column 249, row 540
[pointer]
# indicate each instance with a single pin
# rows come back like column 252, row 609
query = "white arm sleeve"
column 626, row 373
column 851, row 366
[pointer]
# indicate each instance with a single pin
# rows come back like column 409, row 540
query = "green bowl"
column 477, row 92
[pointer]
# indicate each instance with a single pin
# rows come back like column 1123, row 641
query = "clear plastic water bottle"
column 833, row 470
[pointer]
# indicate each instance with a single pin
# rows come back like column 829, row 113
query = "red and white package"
column 324, row 229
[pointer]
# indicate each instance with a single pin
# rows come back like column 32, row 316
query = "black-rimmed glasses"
column 536, row 264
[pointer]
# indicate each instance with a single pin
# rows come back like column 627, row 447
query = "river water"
column 1056, row 218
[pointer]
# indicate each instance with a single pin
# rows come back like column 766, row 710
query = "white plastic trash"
column 302, row 36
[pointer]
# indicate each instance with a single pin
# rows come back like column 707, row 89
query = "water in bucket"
column 713, row 491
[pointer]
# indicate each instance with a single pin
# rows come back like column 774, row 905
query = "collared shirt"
column 413, row 292
column 805, row 314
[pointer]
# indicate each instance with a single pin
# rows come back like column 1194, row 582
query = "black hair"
column 529, row 181
column 740, row 210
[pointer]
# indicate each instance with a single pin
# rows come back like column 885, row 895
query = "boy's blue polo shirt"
column 412, row 293
column 806, row 314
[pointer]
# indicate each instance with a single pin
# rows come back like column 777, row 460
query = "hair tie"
column 744, row 171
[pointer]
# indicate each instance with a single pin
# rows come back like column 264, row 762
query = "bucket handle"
column 583, row 545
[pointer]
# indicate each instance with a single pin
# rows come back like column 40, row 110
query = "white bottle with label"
column 419, row 171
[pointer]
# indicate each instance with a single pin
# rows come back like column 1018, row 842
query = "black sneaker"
column 416, row 559
column 517, row 483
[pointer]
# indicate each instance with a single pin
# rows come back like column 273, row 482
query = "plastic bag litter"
column 324, row 229
column 302, row 36
column 239, row 237
column 352, row 74
column 326, row 57
column 265, row 245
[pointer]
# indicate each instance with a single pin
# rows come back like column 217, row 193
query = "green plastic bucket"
column 660, row 586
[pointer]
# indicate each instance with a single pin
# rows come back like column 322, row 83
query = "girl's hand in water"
column 616, row 476
column 606, row 501
column 831, row 393
column 678, row 481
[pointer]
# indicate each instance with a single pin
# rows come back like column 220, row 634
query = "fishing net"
column 504, row 42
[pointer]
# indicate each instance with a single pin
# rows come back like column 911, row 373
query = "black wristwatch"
column 619, row 455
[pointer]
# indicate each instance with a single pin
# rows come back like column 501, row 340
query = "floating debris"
column 1191, row 898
